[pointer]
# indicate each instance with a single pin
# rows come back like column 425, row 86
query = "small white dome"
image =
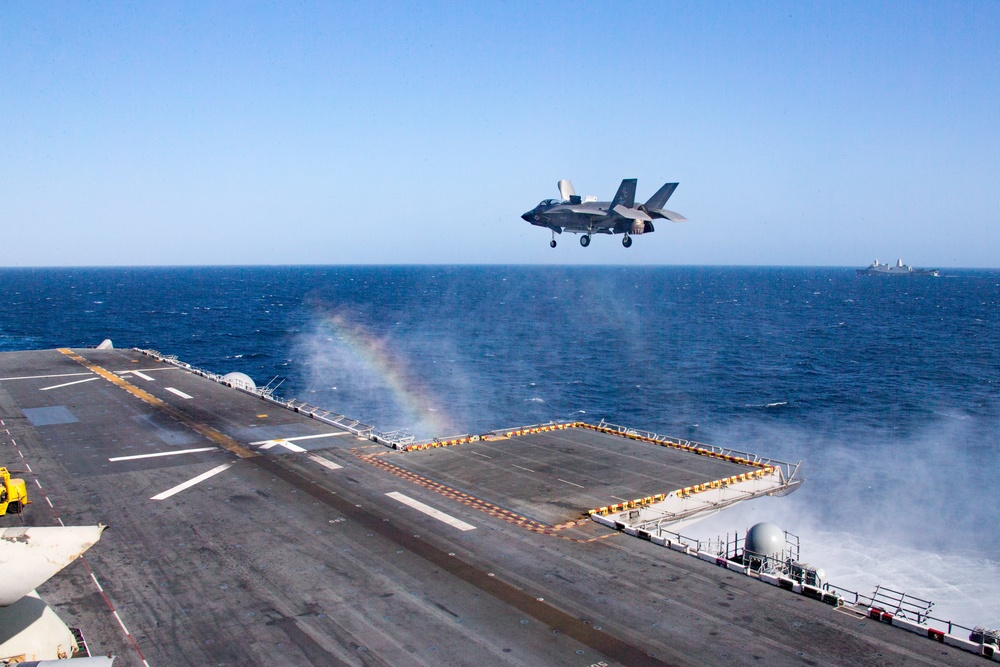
column 240, row 381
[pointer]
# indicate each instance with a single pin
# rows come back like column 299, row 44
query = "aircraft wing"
column 586, row 211
column 631, row 213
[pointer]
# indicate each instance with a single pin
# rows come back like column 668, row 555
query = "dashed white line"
column 67, row 384
column 28, row 466
column 119, row 618
column 570, row 483
column 483, row 455
column 49, row 502
column 621, row 499
column 39, row 484
column 96, row 582
column 431, row 512
column 177, row 392
column 191, row 482
column 149, row 456
column 522, row 467
column 325, row 462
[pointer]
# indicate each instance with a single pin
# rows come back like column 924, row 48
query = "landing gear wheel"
column 585, row 240
column 552, row 243
column 627, row 241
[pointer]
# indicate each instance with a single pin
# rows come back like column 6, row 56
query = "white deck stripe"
column 178, row 392
column 149, row 456
column 67, row 384
column 522, row 467
column 191, row 482
column 570, row 483
column 143, row 376
column 284, row 443
column 42, row 377
column 28, row 466
column 483, row 455
column 325, row 462
column 115, row 612
column 302, row 437
column 430, row 511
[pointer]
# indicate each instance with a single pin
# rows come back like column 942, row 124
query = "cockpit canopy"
column 549, row 202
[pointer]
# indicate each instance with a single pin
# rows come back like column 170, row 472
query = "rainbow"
column 374, row 358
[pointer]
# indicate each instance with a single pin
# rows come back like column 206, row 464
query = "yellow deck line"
column 215, row 436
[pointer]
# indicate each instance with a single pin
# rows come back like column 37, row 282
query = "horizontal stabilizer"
column 631, row 213
column 29, row 556
column 672, row 216
column 662, row 195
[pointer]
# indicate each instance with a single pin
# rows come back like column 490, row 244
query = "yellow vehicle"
column 13, row 494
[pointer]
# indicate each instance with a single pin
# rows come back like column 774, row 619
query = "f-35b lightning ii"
column 587, row 216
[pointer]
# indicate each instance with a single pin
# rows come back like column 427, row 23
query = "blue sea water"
column 886, row 388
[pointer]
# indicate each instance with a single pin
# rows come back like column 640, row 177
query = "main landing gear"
column 627, row 241
column 552, row 243
column 585, row 240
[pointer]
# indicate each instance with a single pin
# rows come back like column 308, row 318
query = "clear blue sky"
column 815, row 133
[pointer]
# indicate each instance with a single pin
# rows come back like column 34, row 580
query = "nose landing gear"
column 627, row 241
column 585, row 240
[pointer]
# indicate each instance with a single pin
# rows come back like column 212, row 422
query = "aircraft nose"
column 527, row 217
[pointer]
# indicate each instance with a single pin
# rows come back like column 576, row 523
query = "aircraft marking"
column 178, row 392
column 41, row 377
column 60, row 386
column 149, row 456
column 570, row 483
column 325, row 462
column 302, row 437
column 268, row 444
column 430, row 511
column 522, row 467
column 191, row 482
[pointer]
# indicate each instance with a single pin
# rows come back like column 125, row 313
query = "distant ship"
column 900, row 269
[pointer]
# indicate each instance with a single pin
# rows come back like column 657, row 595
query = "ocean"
column 887, row 389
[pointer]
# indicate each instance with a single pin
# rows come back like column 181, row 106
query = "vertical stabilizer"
column 625, row 195
column 660, row 198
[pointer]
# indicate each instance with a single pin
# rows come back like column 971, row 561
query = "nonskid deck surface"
column 242, row 533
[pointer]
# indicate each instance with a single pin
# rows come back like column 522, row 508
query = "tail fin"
column 660, row 198
column 625, row 195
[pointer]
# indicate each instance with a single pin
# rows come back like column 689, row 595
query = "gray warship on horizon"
column 898, row 269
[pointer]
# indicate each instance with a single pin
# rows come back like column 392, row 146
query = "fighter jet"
column 587, row 216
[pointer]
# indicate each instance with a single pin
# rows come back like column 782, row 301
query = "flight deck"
column 244, row 532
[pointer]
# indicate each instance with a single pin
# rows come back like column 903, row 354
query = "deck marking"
column 268, row 444
column 301, row 437
column 149, row 456
column 178, row 392
column 522, row 467
column 570, row 483
column 28, row 466
column 67, row 384
column 142, row 375
column 483, row 455
column 49, row 502
column 119, row 618
column 37, row 483
column 191, row 482
column 325, row 462
column 212, row 434
column 41, row 377
column 430, row 511
column 621, row 499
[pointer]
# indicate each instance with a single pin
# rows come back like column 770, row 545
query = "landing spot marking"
column 268, row 444
column 325, row 462
column 191, row 482
column 149, row 456
column 178, row 392
column 570, row 483
column 142, row 375
column 60, row 386
column 430, row 511
column 299, row 437
column 522, row 467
